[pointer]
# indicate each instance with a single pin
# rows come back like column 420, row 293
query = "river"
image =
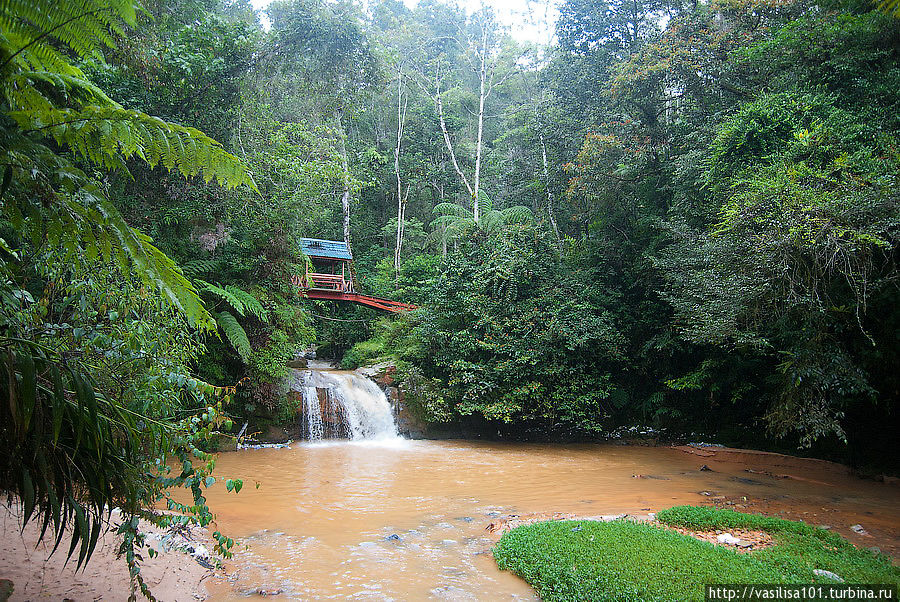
column 406, row 520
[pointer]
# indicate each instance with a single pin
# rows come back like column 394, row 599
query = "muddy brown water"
column 405, row 520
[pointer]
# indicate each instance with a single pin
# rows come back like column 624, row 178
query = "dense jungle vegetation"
column 678, row 214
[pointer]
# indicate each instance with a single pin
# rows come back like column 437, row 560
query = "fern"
column 71, row 212
column 251, row 304
column 235, row 334
column 106, row 135
column 192, row 269
column 453, row 221
column 224, row 294
column 891, row 7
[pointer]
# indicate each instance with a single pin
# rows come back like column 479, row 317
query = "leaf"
column 235, row 334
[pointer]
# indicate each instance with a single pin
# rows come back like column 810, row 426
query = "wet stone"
column 828, row 575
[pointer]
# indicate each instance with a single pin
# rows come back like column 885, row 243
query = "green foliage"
column 454, row 221
column 97, row 325
column 511, row 333
column 235, row 334
column 623, row 560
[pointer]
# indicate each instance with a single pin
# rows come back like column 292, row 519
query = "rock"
column 858, row 529
column 707, row 493
column 393, row 537
column 746, row 481
column 728, row 539
column 744, row 544
column 826, row 527
column 465, row 519
column 268, row 592
column 611, row 517
column 199, row 551
column 6, row 589
column 297, row 364
column 706, row 468
column 828, row 574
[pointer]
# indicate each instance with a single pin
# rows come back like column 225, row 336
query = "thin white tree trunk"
column 449, row 143
column 345, row 165
column 401, row 198
column 478, row 143
column 547, row 186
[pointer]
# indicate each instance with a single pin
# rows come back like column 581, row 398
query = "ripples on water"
column 394, row 519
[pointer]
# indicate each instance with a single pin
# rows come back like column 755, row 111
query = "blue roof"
column 332, row 249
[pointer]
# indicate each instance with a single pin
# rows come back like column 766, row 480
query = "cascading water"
column 312, row 414
column 354, row 407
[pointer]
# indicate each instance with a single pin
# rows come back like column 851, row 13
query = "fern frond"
column 192, row 269
column 451, row 209
column 80, row 220
column 891, row 7
column 519, row 214
column 224, row 294
column 29, row 29
column 21, row 90
column 235, row 334
column 485, row 204
column 106, row 135
column 251, row 303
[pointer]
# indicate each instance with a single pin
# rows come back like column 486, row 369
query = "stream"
column 406, row 520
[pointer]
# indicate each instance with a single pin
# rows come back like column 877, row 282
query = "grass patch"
column 627, row 561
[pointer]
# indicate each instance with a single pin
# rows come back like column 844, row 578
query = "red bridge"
column 328, row 284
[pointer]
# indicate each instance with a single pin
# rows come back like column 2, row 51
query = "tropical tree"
column 453, row 221
column 76, row 440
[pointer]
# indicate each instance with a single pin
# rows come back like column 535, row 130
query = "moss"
column 625, row 561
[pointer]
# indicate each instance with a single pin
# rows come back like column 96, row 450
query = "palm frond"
column 76, row 451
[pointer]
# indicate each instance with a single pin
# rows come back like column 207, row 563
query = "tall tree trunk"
column 401, row 198
column 345, row 197
column 440, row 109
column 478, row 145
column 550, row 213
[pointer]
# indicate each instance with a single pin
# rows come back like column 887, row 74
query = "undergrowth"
column 630, row 561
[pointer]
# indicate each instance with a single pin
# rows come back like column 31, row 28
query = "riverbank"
column 173, row 575
column 675, row 554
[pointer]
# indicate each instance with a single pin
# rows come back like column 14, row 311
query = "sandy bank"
column 173, row 576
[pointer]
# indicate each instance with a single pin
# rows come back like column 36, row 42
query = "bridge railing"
column 331, row 282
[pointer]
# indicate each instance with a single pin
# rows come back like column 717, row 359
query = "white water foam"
column 355, row 408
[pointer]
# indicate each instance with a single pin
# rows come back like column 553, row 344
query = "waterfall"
column 312, row 413
column 355, row 407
